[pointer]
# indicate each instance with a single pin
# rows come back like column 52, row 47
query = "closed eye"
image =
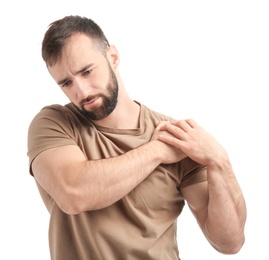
column 86, row 72
column 66, row 83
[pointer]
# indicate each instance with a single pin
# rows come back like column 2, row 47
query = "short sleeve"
column 191, row 172
column 50, row 128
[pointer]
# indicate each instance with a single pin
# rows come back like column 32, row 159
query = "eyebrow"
column 62, row 81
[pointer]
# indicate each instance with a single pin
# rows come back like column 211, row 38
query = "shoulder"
column 53, row 126
column 56, row 110
column 53, row 119
column 57, row 113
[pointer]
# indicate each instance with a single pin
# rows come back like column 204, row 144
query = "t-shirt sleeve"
column 191, row 172
column 50, row 128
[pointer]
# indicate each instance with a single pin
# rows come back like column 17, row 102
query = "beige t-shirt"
column 140, row 226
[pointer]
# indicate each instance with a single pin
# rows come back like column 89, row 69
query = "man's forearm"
column 226, row 217
column 100, row 183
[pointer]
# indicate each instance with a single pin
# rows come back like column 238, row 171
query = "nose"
column 82, row 89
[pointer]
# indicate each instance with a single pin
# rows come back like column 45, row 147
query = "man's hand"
column 170, row 153
column 192, row 140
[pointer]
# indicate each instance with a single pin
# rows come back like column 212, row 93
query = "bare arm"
column 217, row 204
column 78, row 185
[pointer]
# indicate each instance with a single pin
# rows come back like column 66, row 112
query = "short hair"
column 61, row 30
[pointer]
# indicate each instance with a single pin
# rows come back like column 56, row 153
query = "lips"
column 90, row 102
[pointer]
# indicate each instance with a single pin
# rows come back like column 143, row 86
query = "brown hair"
column 60, row 31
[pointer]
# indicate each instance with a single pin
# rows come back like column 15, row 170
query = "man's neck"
column 125, row 116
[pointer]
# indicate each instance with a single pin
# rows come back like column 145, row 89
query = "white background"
column 206, row 60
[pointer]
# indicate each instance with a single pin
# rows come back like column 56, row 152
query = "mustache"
column 88, row 99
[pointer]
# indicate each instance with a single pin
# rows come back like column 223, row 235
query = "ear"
column 113, row 56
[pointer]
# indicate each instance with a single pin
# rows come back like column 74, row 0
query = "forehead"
column 78, row 51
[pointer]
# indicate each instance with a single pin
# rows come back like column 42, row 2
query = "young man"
column 115, row 175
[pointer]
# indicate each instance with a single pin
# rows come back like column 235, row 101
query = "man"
column 115, row 175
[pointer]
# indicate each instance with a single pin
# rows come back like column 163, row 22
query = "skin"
column 84, row 72
column 210, row 201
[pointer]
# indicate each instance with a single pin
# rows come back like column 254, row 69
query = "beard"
column 109, row 101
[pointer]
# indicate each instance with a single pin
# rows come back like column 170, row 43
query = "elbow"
column 231, row 247
column 69, row 209
column 71, row 203
column 69, row 206
column 235, row 247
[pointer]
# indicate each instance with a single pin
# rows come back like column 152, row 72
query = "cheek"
column 72, row 95
column 100, row 81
